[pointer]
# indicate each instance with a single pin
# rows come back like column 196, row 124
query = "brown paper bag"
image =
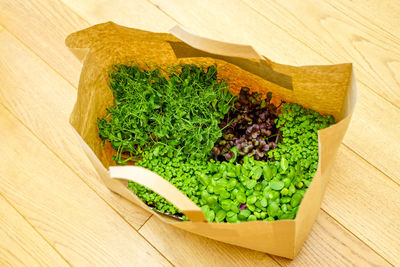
column 326, row 89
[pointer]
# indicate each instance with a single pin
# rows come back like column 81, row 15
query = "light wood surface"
column 55, row 210
column 21, row 244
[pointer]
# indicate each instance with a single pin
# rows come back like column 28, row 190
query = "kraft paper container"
column 326, row 89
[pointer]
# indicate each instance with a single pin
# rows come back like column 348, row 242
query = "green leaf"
column 264, row 202
column 226, row 204
column 210, row 215
column 257, row 173
column 251, row 199
column 232, row 219
column 252, row 218
column 241, row 197
column 296, row 199
column 212, row 201
column 267, row 173
column 284, row 164
column 224, row 195
column 221, row 214
column 276, row 185
column 250, row 184
column 244, row 214
column 273, row 209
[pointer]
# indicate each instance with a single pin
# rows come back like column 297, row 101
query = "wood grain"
column 279, row 45
column 339, row 38
column 380, row 14
column 317, row 250
column 329, row 244
column 45, row 110
column 136, row 14
column 45, row 31
column 20, row 244
column 79, row 224
column 366, row 202
column 359, row 196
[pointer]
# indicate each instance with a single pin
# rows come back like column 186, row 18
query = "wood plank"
column 205, row 18
column 339, row 38
column 374, row 133
column 366, row 202
column 43, row 26
column 20, row 244
column 383, row 14
column 329, row 244
column 317, row 250
column 288, row 57
column 64, row 210
column 137, row 14
column 43, row 101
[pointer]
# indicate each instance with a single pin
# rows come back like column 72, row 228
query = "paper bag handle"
column 243, row 56
column 161, row 186
column 213, row 46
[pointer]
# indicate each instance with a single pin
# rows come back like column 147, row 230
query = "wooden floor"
column 55, row 211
